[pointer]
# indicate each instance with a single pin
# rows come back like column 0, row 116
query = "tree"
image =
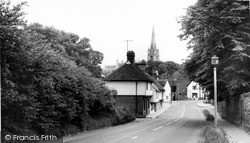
column 215, row 27
column 162, row 69
column 69, row 45
column 18, row 103
column 84, row 55
column 168, row 68
column 48, row 82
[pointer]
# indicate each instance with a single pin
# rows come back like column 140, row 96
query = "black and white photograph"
column 125, row 71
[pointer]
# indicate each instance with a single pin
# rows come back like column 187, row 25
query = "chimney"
column 131, row 57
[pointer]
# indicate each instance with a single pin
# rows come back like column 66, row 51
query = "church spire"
column 153, row 52
column 153, row 43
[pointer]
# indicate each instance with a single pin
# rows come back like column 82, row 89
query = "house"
column 194, row 91
column 156, row 101
column 167, row 93
column 178, row 85
column 136, row 90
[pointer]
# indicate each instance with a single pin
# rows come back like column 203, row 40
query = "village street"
column 183, row 122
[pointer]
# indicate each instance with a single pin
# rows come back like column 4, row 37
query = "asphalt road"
column 182, row 123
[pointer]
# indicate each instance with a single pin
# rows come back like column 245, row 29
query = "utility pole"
column 127, row 43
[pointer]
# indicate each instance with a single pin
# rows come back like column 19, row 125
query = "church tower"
column 153, row 51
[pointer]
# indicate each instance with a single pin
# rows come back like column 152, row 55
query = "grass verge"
column 212, row 134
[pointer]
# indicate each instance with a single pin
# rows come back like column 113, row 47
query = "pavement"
column 233, row 133
column 166, row 106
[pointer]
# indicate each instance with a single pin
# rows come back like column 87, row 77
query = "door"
column 194, row 95
column 144, row 107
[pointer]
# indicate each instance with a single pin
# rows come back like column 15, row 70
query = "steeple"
column 153, row 52
column 153, row 44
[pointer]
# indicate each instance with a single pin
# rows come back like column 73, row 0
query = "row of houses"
column 138, row 91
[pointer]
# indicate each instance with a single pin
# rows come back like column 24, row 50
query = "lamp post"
column 178, row 90
column 215, row 62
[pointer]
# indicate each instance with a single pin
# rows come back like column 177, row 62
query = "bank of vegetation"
column 50, row 80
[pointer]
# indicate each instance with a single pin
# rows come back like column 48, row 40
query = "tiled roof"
column 158, row 85
column 128, row 72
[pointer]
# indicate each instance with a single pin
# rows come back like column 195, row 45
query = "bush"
column 70, row 129
column 210, row 118
column 123, row 115
column 211, row 134
column 98, row 123
column 208, row 115
column 206, row 112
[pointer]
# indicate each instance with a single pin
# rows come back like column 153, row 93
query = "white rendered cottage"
column 136, row 90
column 167, row 93
column 194, row 91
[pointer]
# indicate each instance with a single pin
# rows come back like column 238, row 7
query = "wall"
column 236, row 109
column 167, row 92
column 129, row 102
column 128, row 87
column 245, row 110
column 190, row 90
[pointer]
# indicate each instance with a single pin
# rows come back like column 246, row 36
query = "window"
column 195, row 87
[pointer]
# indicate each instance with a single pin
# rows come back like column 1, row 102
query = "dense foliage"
column 162, row 70
column 50, row 80
column 221, row 28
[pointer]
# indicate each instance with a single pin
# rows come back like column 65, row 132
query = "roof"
column 162, row 82
column 157, row 84
column 128, row 72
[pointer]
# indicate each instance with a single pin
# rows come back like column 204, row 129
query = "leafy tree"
column 84, row 55
column 219, row 27
column 162, row 69
column 69, row 45
column 168, row 68
column 16, row 106
column 48, row 82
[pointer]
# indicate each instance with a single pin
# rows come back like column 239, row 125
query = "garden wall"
column 236, row 110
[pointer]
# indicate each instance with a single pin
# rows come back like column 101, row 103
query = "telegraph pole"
column 127, row 43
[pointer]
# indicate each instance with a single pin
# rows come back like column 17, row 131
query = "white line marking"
column 181, row 114
column 169, row 123
column 134, row 137
column 176, row 120
column 183, row 111
column 158, row 128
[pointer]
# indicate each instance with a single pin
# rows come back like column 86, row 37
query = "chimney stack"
column 131, row 57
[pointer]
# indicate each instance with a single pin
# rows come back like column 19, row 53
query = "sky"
column 108, row 23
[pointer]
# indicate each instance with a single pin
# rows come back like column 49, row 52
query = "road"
column 181, row 123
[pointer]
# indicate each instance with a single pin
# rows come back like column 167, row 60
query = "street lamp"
column 178, row 90
column 215, row 62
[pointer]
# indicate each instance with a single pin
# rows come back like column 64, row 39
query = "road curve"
column 182, row 123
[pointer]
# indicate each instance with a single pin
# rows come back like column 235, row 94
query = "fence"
column 236, row 110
